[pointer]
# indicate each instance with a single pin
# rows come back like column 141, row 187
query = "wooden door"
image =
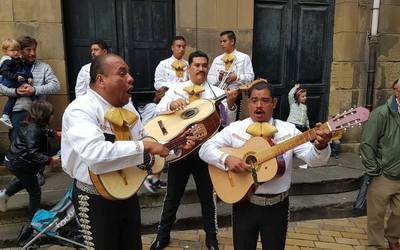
column 293, row 40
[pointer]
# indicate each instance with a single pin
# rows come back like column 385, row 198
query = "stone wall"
column 201, row 23
column 349, row 71
column 41, row 19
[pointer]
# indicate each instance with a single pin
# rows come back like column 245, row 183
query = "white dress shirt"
column 210, row 92
column 83, row 80
column 235, row 136
column 83, row 144
column 165, row 75
column 242, row 67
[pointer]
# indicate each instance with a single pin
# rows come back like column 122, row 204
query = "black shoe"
column 212, row 244
column 159, row 244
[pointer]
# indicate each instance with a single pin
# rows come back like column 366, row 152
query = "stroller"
column 59, row 223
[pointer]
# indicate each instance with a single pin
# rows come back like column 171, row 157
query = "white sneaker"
column 6, row 121
column 148, row 183
column 3, row 200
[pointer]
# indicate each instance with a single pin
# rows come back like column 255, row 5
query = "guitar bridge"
column 162, row 127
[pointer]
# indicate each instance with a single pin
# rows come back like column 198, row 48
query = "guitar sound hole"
column 189, row 113
column 251, row 160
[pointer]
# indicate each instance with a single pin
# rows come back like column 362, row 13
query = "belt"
column 90, row 189
column 268, row 201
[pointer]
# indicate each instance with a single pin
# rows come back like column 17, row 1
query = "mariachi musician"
column 266, row 211
column 231, row 69
column 169, row 72
column 177, row 97
column 101, row 133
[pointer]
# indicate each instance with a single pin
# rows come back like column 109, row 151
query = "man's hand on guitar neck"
column 190, row 140
column 155, row 148
column 178, row 104
column 323, row 137
column 236, row 164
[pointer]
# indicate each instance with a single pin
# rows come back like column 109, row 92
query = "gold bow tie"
column 178, row 66
column 263, row 129
column 120, row 117
column 228, row 60
column 194, row 91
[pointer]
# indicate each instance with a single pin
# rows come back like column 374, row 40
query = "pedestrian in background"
column 380, row 144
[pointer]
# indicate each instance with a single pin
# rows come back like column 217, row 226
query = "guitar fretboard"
column 174, row 143
column 284, row 146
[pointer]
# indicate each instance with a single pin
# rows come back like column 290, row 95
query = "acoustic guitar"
column 122, row 184
column 169, row 125
column 232, row 187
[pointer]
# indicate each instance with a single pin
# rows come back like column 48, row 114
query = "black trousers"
column 178, row 176
column 249, row 220
column 108, row 224
column 16, row 118
column 28, row 181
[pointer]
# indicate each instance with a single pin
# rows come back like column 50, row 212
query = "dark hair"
column 395, row 83
column 40, row 113
column 27, row 41
column 297, row 93
column 231, row 35
column 102, row 44
column 260, row 86
column 197, row 53
column 98, row 66
column 177, row 38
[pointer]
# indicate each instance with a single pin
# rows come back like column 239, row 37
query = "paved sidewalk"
column 338, row 234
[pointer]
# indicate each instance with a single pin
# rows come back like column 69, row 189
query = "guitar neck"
column 219, row 99
column 176, row 142
column 288, row 144
column 243, row 87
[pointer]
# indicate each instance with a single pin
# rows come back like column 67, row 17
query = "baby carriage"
column 59, row 224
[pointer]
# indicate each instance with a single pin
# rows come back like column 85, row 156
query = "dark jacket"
column 27, row 151
column 380, row 141
column 11, row 69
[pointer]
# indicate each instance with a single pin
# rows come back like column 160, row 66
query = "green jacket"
column 380, row 141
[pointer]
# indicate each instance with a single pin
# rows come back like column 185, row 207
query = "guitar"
column 169, row 125
column 232, row 187
column 122, row 184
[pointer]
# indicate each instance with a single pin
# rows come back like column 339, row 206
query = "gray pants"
column 383, row 192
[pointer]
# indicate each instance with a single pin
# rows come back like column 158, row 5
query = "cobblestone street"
column 338, row 234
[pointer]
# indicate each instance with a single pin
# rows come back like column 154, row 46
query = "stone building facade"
column 201, row 21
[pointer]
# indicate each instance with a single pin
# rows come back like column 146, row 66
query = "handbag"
column 360, row 202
